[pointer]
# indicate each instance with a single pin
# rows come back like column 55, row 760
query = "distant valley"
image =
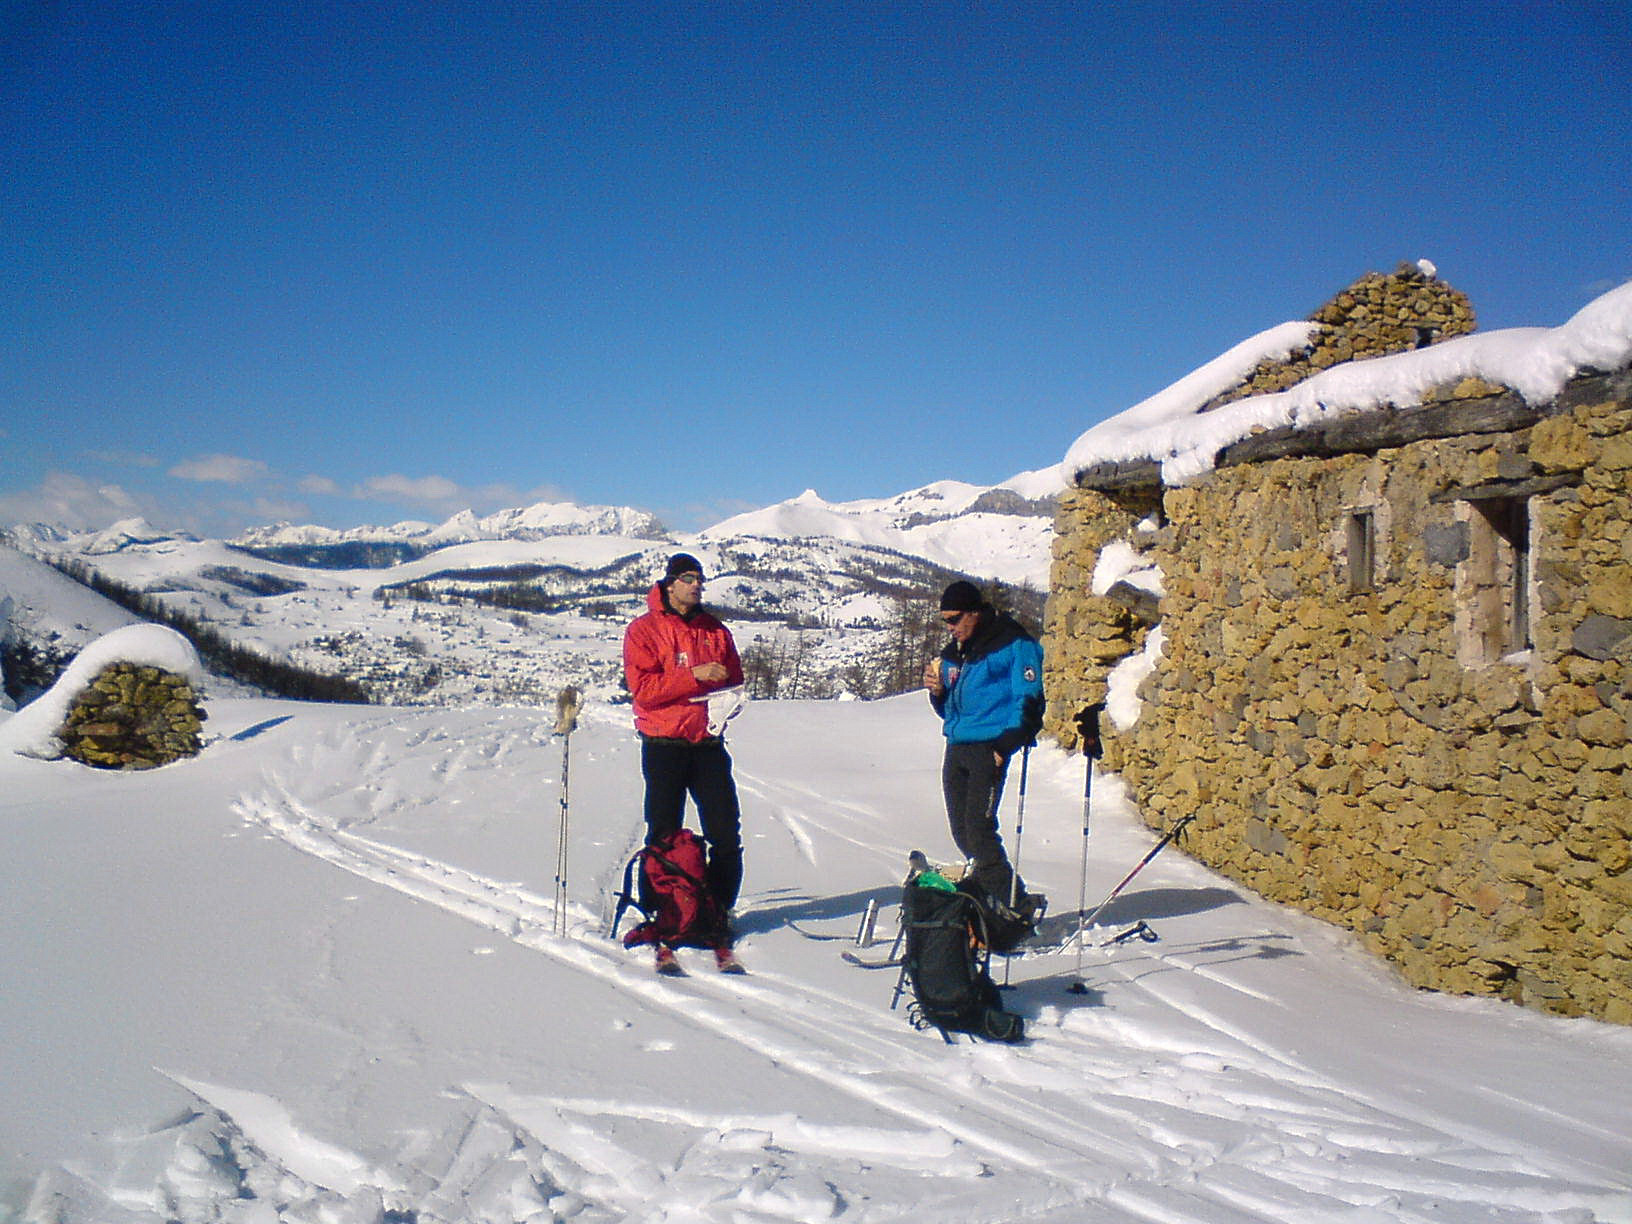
column 825, row 599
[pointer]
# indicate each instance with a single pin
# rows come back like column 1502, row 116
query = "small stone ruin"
column 1376, row 316
column 133, row 717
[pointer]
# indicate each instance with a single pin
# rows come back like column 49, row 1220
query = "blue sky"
column 352, row 263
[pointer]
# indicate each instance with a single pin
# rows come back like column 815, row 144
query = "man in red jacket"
column 673, row 658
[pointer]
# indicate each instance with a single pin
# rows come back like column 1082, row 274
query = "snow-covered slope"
column 310, row 976
column 45, row 618
column 48, row 606
column 1002, row 531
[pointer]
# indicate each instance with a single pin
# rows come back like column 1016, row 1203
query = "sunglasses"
column 688, row 578
column 953, row 621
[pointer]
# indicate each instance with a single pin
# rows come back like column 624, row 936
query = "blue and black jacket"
column 994, row 686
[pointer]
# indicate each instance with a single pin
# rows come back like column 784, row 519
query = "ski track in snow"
column 795, row 807
column 1462, row 1169
column 1219, row 1128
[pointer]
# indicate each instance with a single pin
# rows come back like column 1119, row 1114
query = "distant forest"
column 276, row 677
column 782, row 666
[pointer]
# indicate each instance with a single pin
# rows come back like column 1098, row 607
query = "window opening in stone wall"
column 1362, row 551
column 1500, row 552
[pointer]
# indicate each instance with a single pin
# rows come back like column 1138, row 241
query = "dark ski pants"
column 972, row 781
column 674, row 768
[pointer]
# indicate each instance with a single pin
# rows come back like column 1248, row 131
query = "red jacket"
column 659, row 651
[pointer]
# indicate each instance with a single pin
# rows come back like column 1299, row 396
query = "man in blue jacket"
column 987, row 686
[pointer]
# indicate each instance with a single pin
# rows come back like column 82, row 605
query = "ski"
column 819, row 937
column 889, row 962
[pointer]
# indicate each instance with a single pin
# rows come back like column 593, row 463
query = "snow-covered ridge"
column 539, row 521
column 114, row 538
column 1000, row 531
column 446, row 625
column 810, row 514
column 1169, row 427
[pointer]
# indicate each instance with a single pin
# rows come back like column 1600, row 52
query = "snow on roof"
column 1170, row 428
column 32, row 731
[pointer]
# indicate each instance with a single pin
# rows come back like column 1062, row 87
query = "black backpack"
column 1003, row 929
column 946, row 964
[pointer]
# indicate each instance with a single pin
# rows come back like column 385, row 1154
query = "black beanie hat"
column 962, row 596
column 682, row 563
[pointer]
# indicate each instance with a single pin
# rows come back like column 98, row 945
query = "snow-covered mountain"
column 536, row 522
column 990, row 531
column 511, row 606
column 999, row 531
column 49, row 537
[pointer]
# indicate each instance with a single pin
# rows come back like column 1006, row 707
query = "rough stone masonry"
column 133, row 717
column 1394, row 687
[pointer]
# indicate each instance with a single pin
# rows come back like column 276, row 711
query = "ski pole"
column 917, row 865
column 1092, row 749
column 1175, row 831
column 1019, row 832
column 566, row 718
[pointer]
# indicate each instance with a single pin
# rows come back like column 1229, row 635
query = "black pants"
column 972, row 781
column 675, row 768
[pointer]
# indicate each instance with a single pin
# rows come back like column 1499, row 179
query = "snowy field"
column 312, row 976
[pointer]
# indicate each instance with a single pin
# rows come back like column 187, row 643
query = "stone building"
column 1380, row 630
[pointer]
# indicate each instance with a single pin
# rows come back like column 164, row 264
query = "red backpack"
column 679, row 906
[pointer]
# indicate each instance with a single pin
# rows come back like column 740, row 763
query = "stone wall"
column 1380, row 705
column 1087, row 634
column 1377, row 315
column 133, row 717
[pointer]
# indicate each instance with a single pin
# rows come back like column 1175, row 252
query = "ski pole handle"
column 567, row 702
column 1088, row 730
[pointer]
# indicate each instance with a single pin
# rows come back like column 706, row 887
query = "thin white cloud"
column 441, row 495
column 220, row 469
column 72, row 502
column 429, row 490
column 320, row 486
column 130, row 459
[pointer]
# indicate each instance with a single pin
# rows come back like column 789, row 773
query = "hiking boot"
column 726, row 961
column 667, row 963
